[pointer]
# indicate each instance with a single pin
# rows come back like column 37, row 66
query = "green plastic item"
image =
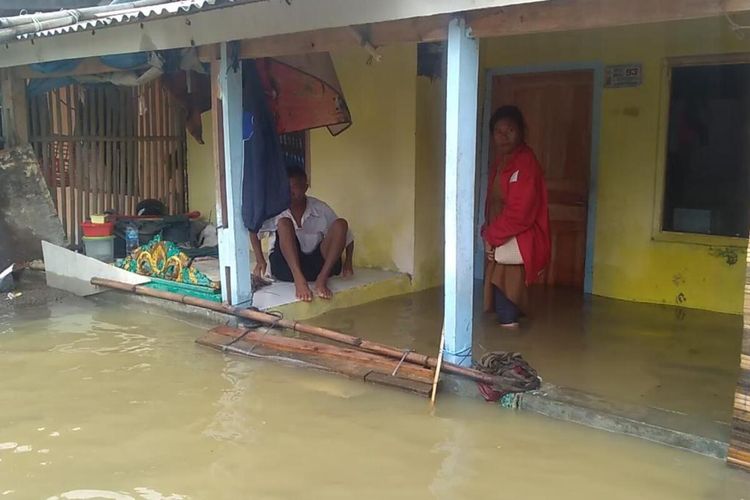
column 197, row 291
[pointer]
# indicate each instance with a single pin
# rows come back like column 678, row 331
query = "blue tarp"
column 56, row 66
column 39, row 86
column 265, row 186
column 125, row 61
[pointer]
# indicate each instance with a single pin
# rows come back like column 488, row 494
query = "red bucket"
column 97, row 230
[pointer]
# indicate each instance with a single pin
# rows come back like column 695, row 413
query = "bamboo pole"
column 437, row 368
column 60, row 165
column 269, row 319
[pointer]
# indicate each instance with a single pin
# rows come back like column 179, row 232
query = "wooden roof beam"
column 538, row 17
column 426, row 29
column 569, row 15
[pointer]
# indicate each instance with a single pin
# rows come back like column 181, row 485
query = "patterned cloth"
column 165, row 260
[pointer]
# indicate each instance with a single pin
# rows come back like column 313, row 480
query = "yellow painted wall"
column 201, row 172
column 367, row 173
column 628, row 263
column 430, row 184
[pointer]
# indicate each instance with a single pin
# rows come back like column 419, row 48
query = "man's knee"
column 285, row 224
column 341, row 224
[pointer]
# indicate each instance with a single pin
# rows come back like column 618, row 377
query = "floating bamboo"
column 357, row 342
column 437, row 368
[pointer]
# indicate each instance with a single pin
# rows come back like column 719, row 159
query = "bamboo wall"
column 739, row 445
column 107, row 148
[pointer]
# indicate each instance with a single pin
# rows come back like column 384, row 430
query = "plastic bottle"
column 131, row 238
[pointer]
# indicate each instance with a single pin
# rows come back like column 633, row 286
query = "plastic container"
column 99, row 218
column 100, row 247
column 93, row 230
column 132, row 240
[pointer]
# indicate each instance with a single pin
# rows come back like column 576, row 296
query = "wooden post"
column 462, row 79
column 234, row 240
column 15, row 114
column 739, row 443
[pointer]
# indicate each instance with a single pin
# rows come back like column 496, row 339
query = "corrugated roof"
column 119, row 15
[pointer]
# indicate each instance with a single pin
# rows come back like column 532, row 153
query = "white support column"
column 234, row 240
column 460, row 168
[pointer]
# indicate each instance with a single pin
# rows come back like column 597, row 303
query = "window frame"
column 665, row 93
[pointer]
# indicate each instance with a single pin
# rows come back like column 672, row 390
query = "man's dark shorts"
column 311, row 263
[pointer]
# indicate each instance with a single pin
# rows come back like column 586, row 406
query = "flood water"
column 118, row 402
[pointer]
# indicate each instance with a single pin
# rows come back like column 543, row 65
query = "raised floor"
column 671, row 367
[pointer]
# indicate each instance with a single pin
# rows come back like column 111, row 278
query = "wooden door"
column 557, row 109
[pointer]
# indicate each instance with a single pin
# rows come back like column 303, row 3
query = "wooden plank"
column 79, row 158
column 56, row 137
column 163, row 147
column 217, row 130
column 121, row 152
column 305, row 346
column 182, row 164
column 34, row 125
column 15, row 109
column 89, row 123
column 739, row 445
column 68, row 113
column 350, row 369
column 85, row 149
column 61, row 175
column 100, row 149
column 108, row 160
column 150, row 130
column 351, row 362
column 72, row 165
column 133, row 150
column 566, row 15
column 45, row 116
column 535, row 17
column 426, row 29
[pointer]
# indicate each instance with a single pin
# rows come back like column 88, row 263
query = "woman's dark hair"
column 511, row 113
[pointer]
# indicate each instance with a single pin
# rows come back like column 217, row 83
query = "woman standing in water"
column 516, row 227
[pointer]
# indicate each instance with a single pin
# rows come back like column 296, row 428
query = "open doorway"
column 557, row 106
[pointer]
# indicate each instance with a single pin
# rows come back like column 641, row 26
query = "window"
column 296, row 151
column 708, row 150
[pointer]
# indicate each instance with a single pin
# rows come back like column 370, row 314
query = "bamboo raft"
column 363, row 359
column 352, row 363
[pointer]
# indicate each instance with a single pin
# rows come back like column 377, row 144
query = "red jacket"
column 525, row 214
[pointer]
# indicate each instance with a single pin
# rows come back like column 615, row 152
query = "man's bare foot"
column 303, row 292
column 510, row 326
column 322, row 290
column 347, row 272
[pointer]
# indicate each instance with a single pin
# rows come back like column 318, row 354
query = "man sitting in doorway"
column 307, row 242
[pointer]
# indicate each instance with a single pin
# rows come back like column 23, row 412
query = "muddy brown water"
column 117, row 402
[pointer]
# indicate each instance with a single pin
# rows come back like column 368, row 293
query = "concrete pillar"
column 462, row 79
column 234, row 239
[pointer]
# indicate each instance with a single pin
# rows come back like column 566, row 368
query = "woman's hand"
column 489, row 251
